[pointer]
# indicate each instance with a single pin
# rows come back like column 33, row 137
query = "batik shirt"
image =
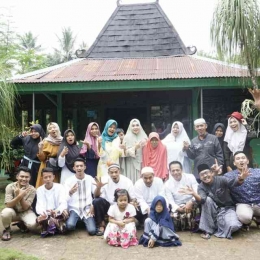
column 249, row 191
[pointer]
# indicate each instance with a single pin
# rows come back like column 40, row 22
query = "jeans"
column 89, row 223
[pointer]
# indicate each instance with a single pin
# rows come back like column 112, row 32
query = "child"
column 51, row 204
column 121, row 230
column 158, row 228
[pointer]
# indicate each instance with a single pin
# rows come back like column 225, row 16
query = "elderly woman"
column 155, row 156
column 174, row 145
column 48, row 150
column 89, row 149
column 108, row 148
column 134, row 141
column 30, row 142
column 237, row 138
column 68, row 152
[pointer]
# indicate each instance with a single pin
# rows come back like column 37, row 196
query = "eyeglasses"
column 202, row 174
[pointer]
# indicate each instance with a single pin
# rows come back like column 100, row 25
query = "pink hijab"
column 90, row 139
column 156, row 157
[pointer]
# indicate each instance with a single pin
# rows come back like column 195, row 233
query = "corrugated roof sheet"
column 137, row 30
column 87, row 70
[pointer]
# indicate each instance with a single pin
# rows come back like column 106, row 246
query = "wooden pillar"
column 75, row 120
column 59, row 109
column 195, row 107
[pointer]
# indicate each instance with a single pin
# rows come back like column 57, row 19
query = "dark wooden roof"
column 137, row 30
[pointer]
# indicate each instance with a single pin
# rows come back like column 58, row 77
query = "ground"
column 78, row 245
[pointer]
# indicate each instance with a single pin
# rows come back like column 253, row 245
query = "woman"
column 155, row 156
column 30, row 142
column 89, row 149
column 158, row 227
column 108, row 148
column 68, row 152
column 174, row 145
column 237, row 138
column 48, row 150
column 219, row 131
column 134, row 141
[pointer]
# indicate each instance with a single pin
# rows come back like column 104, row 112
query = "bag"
column 53, row 163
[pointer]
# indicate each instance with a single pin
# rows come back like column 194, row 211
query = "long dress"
column 30, row 146
column 117, row 236
column 133, row 160
column 49, row 151
column 174, row 146
column 67, row 162
column 159, row 227
column 91, row 155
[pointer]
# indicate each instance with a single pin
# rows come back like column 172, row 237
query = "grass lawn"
column 10, row 254
column 2, row 197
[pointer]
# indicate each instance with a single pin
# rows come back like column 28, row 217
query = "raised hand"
column 245, row 173
column 99, row 184
column 73, row 189
column 187, row 190
column 217, row 168
column 64, row 151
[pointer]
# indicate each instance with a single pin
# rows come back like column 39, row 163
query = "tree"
column 235, row 30
column 28, row 42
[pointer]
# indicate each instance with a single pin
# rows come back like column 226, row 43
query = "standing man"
column 104, row 196
column 204, row 148
column 247, row 195
column 146, row 189
column 19, row 196
column 80, row 188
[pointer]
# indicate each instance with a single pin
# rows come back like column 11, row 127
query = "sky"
column 86, row 18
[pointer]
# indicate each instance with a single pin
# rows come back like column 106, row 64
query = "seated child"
column 51, row 204
column 158, row 228
column 121, row 230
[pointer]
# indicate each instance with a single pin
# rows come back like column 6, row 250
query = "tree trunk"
column 256, row 96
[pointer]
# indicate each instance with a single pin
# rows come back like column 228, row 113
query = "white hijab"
column 236, row 139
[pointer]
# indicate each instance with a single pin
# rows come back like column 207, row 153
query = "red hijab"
column 156, row 157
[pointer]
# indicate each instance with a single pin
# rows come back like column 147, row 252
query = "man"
column 218, row 214
column 181, row 205
column 105, row 194
column 19, row 196
column 80, row 189
column 51, row 204
column 204, row 148
column 247, row 195
column 146, row 189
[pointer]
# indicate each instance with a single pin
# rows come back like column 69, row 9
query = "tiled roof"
column 137, row 30
column 89, row 70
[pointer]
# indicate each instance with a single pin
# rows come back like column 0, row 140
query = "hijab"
column 163, row 219
column 73, row 152
column 54, row 140
column 236, row 139
column 91, row 140
column 156, row 157
column 105, row 136
column 31, row 145
column 216, row 126
column 182, row 135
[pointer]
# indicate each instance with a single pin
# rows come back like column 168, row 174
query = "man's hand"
column 188, row 207
column 73, row 189
column 65, row 214
column 187, row 190
column 244, row 174
column 151, row 243
column 99, row 184
column 42, row 217
column 217, row 169
column 181, row 209
column 91, row 212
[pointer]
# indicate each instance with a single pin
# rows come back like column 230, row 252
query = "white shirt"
column 172, row 188
column 81, row 200
column 115, row 213
column 107, row 191
column 53, row 199
column 145, row 195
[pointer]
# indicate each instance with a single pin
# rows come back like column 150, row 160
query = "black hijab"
column 221, row 139
column 30, row 145
column 73, row 152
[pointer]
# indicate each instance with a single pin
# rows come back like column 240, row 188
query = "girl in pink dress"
column 121, row 230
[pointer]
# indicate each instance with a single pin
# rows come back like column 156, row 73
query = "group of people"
column 134, row 178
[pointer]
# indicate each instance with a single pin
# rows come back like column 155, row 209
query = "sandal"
column 100, row 231
column 205, row 236
column 6, row 235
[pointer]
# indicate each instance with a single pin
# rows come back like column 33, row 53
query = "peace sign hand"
column 217, row 168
